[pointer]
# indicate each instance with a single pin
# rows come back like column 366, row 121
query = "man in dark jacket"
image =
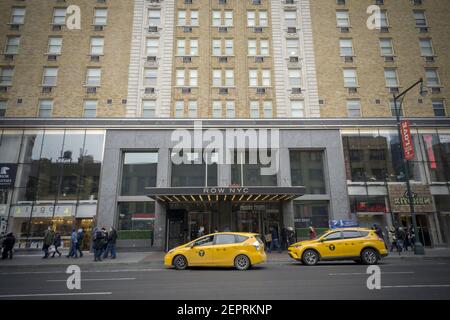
column 49, row 238
column 111, row 247
column 8, row 246
column 80, row 237
column 99, row 243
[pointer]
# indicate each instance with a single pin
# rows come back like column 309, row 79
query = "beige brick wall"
column 69, row 93
column 370, row 65
column 205, row 63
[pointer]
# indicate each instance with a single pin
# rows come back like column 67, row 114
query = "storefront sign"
column 7, row 175
column 444, row 138
column 408, row 144
column 43, row 211
column 334, row 224
column 421, row 195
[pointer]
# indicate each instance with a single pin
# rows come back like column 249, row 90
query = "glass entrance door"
column 422, row 226
column 257, row 217
column 199, row 224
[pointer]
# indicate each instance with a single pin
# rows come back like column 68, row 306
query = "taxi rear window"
column 240, row 238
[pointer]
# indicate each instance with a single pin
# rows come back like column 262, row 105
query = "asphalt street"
column 400, row 279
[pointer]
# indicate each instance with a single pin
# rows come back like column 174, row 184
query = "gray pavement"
column 407, row 279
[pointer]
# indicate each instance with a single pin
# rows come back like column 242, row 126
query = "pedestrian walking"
column 312, row 233
column 111, row 246
column 80, row 237
column 99, row 243
column 275, row 243
column 105, row 242
column 49, row 238
column 57, row 243
column 8, row 246
column 392, row 238
column 291, row 236
column 73, row 244
column 401, row 236
column 284, row 239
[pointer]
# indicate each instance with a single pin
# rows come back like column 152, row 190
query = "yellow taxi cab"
column 223, row 249
column 357, row 244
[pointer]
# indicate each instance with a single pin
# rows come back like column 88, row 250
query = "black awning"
column 206, row 194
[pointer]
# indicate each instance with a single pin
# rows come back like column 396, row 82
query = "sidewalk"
column 155, row 258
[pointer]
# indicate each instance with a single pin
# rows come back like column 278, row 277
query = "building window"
column 253, row 77
column 386, row 47
column 384, row 22
column 193, row 171
column 295, row 78
column 390, row 76
column 432, row 77
column 350, row 79
column 342, row 19
column 149, row 108
column 100, row 17
column 137, row 219
column 266, row 79
column 246, row 169
column 354, row 108
column 152, row 47
column 179, row 109
column 254, row 109
column 93, row 77
column 217, row 109
column 193, row 47
column 307, row 169
column 217, row 47
column 437, row 155
column 426, row 48
column 392, row 107
column 268, row 109
column 17, row 15
column 45, row 108
column 139, row 170
column 420, row 19
column 229, row 77
column 194, row 18
column 59, row 16
column 217, row 18
column 6, row 75
column 181, row 47
column 3, row 105
column 438, row 108
column 12, row 45
column 297, row 109
column 150, row 77
column 50, row 77
column 90, row 108
column 193, row 77
column 192, row 109
column 154, row 17
column 229, row 47
column 262, row 18
column 228, row 18
column 54, row 45
column 310, row 214
column 97, row 44
column 346, row 47
column 293, row 47
column 290, row 19
column 181, row 17
column 252, row 48
column 251, row 18
column 264, row 47
column 180, row 74
column 230, row 109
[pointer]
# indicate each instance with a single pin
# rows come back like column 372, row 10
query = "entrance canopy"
column 206, row 194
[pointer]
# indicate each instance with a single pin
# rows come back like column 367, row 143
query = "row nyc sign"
column 408, row 144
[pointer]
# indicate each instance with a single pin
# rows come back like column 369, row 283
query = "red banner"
column 408, row 144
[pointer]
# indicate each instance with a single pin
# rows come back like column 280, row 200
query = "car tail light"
column 257, row 245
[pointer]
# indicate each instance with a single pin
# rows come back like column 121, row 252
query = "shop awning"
column 241, row 194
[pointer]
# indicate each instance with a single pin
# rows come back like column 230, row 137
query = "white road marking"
column 418, row 286
column 363, row 273
column 112, row 279
column 54, row 294
column 88, row 271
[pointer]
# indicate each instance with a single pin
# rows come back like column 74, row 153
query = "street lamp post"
column 418, row 247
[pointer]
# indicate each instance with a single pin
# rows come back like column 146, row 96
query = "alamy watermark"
column 74, row 280
column 227, row 146
column 374, row 280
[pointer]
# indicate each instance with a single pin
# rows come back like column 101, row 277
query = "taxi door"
column 353, row 243
column 201, row 252
column 225, row 249
column 332, row 245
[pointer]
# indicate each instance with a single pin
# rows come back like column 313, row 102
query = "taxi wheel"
column 369, row 256
column 180, row 262
column 310, row 257
column 242, row 262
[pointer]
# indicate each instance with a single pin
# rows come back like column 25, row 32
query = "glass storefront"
column 246, row 170
column 138, row 172
column 194, row 171
column 310, row 214
column 58, row 172
column 136, row 220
